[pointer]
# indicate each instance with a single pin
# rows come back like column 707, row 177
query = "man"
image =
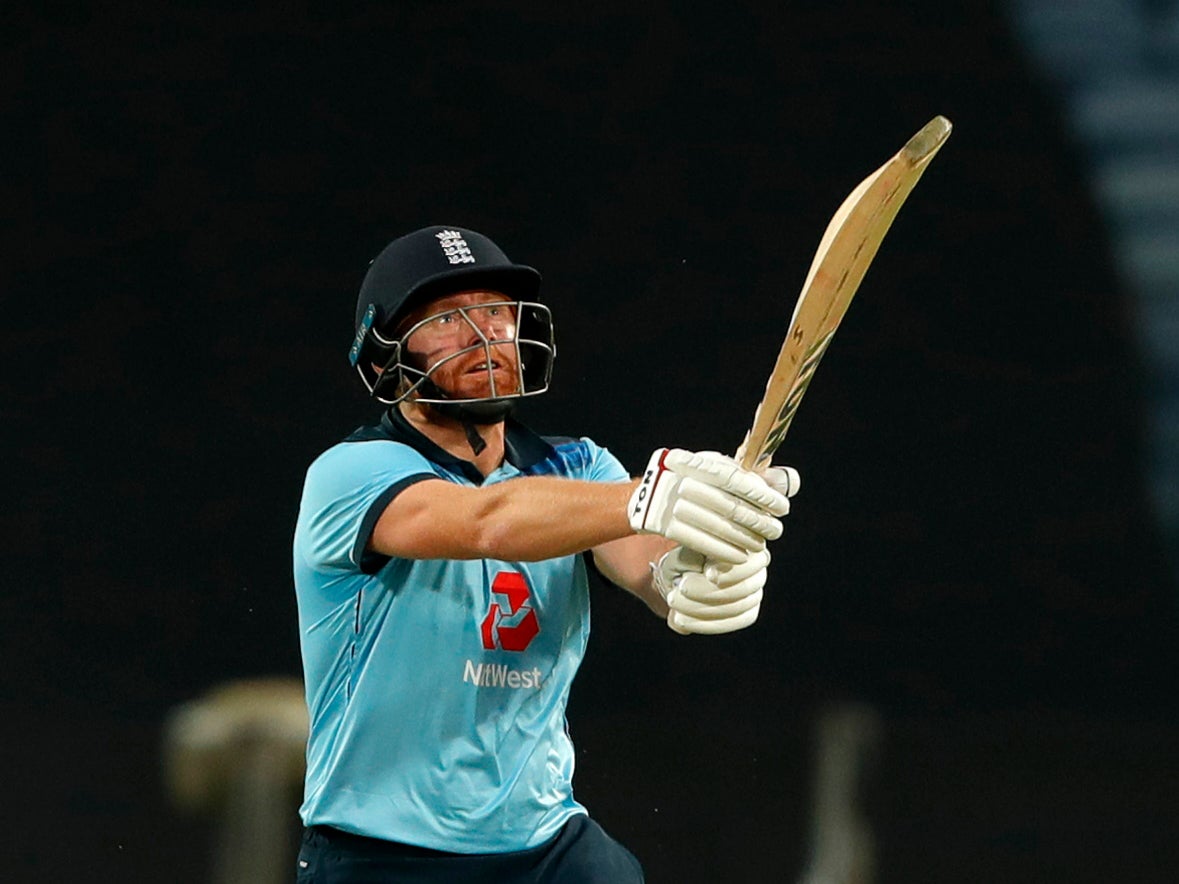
column 443, row 598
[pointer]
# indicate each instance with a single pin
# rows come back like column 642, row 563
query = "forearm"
column 544, row 517
column 627, row 562
column 527, row 519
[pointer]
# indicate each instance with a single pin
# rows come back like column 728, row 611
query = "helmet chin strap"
column 470, row 414
column 474, row 439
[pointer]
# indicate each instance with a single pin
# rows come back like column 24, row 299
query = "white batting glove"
column 784, row 480
column 706, row 502
column 708, row 598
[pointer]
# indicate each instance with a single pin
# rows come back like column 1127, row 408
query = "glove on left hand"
column 706, row 502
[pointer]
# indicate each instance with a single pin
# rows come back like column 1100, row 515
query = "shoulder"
column 580, row 458
column 366, row 453
column 363, row 469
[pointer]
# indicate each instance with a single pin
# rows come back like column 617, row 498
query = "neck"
column 451, row 436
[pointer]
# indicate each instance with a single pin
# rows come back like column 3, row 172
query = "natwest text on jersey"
column 500, row 675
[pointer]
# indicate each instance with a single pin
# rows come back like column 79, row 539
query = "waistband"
column 340, row 838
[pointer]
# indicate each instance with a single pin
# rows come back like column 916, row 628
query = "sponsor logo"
column 511, row 626
column 645, row 487
column 644, row 491
column 500, row 675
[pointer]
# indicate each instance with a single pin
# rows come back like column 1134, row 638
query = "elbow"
column 490, row 539
column 497, row 539
column 493, row 535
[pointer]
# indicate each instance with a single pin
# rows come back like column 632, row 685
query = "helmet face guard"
column 431, row 263
column 388, row 370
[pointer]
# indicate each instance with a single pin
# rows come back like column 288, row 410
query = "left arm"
column 626, row 562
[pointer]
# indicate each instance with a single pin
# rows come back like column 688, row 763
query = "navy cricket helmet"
column 431, row 263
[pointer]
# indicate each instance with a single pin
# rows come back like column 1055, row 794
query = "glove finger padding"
column 710, row 598
column 784, row 480
column 706, row 543
column 685, row 625
column 725, row 575
column 696, row 511
column 720, row 471
column 696, row 597
column 730, row 508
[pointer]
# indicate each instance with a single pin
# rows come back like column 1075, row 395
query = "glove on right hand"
column 708, row 598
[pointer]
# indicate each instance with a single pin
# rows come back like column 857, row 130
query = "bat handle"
column 742, row 454
column 749, row 462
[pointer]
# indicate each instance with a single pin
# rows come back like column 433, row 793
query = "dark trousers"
column 581, row 853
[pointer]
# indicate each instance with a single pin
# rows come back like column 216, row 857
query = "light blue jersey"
column 437, row 689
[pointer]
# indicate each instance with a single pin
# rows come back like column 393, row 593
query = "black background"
column 192, row 196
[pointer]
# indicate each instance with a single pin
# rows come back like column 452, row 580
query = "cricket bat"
column 847, row 248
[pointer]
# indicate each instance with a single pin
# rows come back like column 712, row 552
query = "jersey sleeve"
column 601, row 465
column 345, row 492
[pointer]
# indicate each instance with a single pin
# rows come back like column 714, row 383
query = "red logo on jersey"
column 512, row 628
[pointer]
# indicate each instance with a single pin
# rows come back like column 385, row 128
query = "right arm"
column 525, row 520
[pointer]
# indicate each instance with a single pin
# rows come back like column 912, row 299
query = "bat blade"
column 848, row 246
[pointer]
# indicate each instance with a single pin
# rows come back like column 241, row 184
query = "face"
column 465, row 340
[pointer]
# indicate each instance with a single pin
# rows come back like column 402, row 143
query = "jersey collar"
column 522, row 447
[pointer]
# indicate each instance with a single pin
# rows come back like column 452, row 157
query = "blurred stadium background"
column 965, row 671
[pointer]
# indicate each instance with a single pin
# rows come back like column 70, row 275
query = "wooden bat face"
column 847, row 248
